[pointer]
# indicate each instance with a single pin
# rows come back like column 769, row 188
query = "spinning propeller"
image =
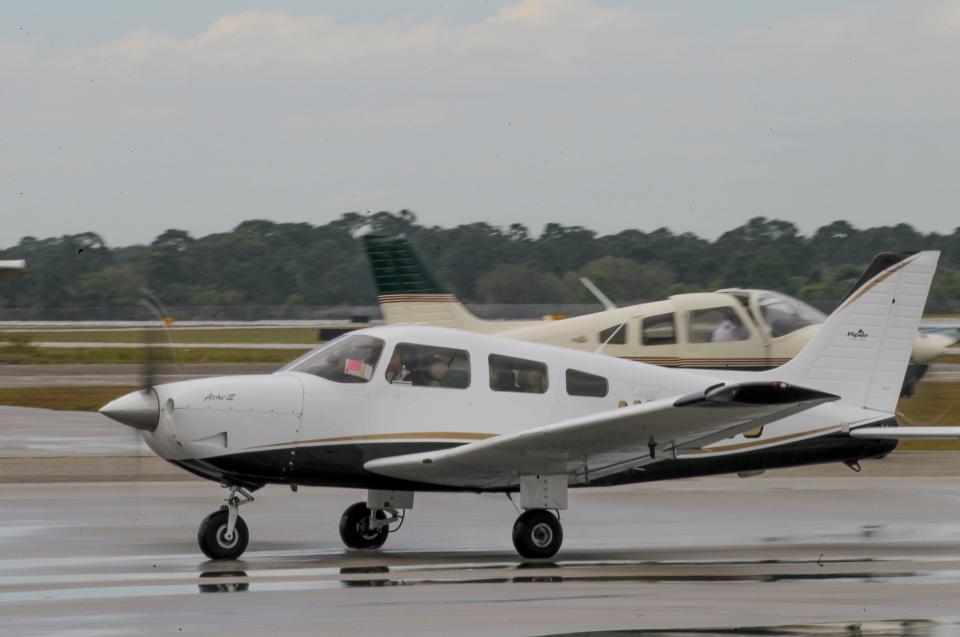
column 141, row 409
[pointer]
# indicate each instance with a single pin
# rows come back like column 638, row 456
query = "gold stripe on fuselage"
column 410, row 435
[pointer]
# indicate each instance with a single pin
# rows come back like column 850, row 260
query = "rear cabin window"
column 517, row 375
column 659, row 330
column 428, row 366
column 350, row 360
column 716, row 325
column 584, row 384
column 617, row 335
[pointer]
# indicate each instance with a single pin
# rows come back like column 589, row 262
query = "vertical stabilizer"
column 409, row 293
column 861, row 351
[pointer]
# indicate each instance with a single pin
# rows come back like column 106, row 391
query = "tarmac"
column 812, row 551
column 718, row 553
column 84, row 375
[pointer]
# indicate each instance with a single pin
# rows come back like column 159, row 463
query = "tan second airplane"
column 728, row 329
column 399, row 409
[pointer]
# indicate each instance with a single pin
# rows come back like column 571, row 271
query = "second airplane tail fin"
column 408, row 292
column 861, row 351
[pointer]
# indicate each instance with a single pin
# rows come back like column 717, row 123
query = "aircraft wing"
column 597, row 444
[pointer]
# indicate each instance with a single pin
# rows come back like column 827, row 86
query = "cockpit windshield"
column 349, row 359
column 784, row 314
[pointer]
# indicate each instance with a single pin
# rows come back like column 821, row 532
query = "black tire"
column 537, row 534
column 212, row 540
column 355, row 528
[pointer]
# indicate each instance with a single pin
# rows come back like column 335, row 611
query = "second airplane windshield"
column 784, row 314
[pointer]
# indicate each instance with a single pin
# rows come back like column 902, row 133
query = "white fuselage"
column 296, row 427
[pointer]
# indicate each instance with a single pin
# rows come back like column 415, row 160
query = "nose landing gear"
column 223, row 534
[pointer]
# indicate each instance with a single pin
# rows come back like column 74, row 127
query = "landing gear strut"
column 537, row 534
column 223, row 534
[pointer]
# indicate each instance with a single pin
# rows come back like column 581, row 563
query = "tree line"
column 288, row 266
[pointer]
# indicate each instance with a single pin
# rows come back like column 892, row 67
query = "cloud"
column 611, row 115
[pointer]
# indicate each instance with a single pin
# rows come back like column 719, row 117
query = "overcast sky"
column 127, row 118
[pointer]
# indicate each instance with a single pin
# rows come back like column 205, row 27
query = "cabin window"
column 716, row 325
column 659, row 330
column 584, row 384
column 351, row 359
column 517, row 374
column 617, row 335
column 428, row 366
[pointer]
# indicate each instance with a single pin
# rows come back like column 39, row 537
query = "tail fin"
column 861, row 351
column 409, row 293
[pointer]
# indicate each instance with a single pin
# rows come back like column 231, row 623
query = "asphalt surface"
column 80, row 375
column 79, row 559
column 94, row 540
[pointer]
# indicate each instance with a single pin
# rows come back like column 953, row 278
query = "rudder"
column 862, row 350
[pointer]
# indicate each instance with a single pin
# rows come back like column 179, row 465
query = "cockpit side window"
column 784, row 315
column 428, row 366
column 716, row 325
column 614, row 335
column 517, row 375
column 658, row 330
column 351, row 359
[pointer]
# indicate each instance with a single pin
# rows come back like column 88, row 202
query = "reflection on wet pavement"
column 75, row 558
column 891, row 628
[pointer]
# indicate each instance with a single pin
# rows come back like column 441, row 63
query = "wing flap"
column 599, row 443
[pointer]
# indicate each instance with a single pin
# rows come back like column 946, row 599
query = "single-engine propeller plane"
column 400, row 409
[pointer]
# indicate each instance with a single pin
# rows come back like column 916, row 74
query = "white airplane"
column 400, row 409
column 727, row 329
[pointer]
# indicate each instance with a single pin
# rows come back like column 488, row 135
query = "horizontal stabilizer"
column 906, row 433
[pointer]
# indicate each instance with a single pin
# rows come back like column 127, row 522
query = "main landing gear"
column 537, row 534
column 223, row 534
column 361, row 528
column 366, row 525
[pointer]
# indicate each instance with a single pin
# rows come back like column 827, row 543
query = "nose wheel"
column 361, row 528
column 537, row 534
column 223, row 535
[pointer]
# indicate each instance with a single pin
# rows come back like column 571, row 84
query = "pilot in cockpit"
column 436, row 370
column 397, row 371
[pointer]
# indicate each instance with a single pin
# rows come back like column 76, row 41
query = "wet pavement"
column 27, row 431
column 798, row 555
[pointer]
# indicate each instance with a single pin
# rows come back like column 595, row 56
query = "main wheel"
column 213, row 540
column 537, row 534
column 355, row 528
